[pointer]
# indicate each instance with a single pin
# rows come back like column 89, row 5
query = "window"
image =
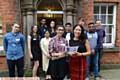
column 1, row 35
column 107, row 14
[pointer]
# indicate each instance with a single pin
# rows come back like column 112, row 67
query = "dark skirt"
column 37, row 56
column 78, row 68
column 36, row 52
column 57, row 68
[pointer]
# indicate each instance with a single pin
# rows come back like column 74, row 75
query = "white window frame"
column 112, row 44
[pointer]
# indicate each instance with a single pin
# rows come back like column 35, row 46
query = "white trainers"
column 87, row 78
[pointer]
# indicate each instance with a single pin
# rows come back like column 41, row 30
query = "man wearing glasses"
column 14, row 42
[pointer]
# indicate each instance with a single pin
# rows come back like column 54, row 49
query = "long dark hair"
column 82, row 37
column 31, row 33
column 50, row 29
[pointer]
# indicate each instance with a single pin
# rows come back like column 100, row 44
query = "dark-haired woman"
column 52, row 29
column 34, row 49
column 78, row 58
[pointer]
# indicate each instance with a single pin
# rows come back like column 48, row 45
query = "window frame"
column 113, row 34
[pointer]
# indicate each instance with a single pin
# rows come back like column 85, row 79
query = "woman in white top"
column 45, row 54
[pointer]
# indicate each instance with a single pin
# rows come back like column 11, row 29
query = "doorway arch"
column 50, row 10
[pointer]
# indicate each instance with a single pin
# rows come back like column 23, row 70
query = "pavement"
column 111, row 74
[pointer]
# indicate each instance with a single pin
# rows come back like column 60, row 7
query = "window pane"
column 110, row 9
column 103, row 18
column 96, row 9
column 110, row 19
column 109, row 29
column 108, row 38
column 104, row 27
column 96, row 17
column 103, row 9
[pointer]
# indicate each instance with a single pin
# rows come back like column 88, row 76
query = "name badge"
column 17, row 39
column 34, row 38
column 62, row 44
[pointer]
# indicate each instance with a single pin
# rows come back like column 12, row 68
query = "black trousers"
column 57, row 78
column 19, row 64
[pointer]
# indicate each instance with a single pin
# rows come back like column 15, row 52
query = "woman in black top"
column 34, row 49
column 78, row 57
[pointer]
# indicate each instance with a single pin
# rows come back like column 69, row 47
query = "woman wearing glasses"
column 57, row 50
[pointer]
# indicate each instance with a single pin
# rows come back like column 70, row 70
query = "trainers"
column 97, row 78
column 87, row 78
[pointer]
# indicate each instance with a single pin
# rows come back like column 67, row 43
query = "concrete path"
column 113, row 74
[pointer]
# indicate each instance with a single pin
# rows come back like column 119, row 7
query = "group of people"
column 48, row 47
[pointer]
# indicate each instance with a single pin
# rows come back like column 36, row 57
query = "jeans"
column 100, row 52
column 92, row 60
column 19, row 64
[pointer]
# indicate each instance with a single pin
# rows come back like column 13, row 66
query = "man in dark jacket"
column 43, row 28
column 101, row 36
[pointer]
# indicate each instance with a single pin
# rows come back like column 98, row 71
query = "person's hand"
column 31, row 56
column 55, row 54
column 74, row 54
column 54, row 58
column 48, row 56
column 78, row 53
column 93, row 52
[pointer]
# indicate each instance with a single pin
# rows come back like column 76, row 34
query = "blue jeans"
column 19, row 64
column 92, row 60
column 100, row 52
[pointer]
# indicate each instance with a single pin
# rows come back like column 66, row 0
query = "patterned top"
column 57, row 45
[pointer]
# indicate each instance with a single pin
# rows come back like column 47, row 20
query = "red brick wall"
column 87, row 10
column 7, row 12
column 118, row 26
column 3, row 64
column 111, row 58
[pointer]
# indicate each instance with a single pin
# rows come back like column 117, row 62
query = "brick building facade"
column 25, row 12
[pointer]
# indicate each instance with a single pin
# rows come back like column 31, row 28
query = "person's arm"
column 43, row 48
column 88, row 51
column 23, row 42
column 29, row 47
column 5, row 43
column 104, row 33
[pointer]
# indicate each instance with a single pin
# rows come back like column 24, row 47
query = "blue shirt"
column 14, row 45
column 101, row 35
